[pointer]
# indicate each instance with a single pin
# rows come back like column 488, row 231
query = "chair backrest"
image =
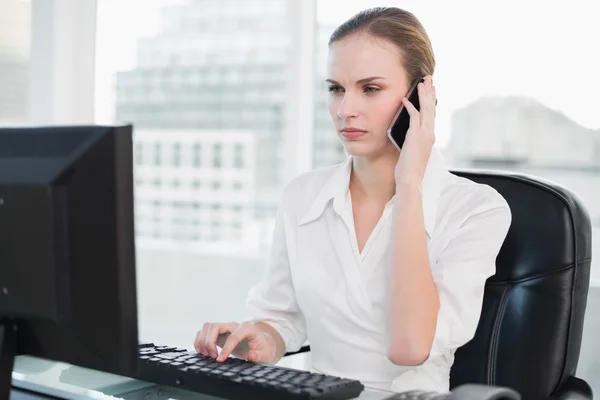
column 529, row 334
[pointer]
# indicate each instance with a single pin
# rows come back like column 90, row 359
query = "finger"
column 427, row 104
column 217, row 330
column 222, row 338
column 202, row 339
column 242, row 333
column 426, row 81
column 412, row 111
column 432, row 91
column 210, row 338
column 197, row 341
column 253, row 356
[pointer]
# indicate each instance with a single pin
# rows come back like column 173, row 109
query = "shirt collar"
column 336, row 189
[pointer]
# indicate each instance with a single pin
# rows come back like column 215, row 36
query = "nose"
column 348, row 107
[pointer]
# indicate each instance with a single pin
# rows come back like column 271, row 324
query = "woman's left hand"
column 419, row 138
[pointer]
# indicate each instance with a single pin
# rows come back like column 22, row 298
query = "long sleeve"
column 273, row 298
column 460, row 275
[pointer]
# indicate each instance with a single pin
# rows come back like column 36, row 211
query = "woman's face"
column 366, row 84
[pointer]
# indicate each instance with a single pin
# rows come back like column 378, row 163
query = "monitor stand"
column 8, row 344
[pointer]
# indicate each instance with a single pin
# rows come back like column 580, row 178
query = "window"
column 139, row 153
column 197, row 155
column 238, row 156
column 177, row 154
column 217, row 156
column 15, row 21
column 157, row 155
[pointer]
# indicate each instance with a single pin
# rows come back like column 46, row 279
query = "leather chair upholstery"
column 530, row 331
column 529, row 334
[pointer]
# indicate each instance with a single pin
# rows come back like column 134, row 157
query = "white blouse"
column 319, row 287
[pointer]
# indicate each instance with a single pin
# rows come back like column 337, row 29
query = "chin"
column 366, row 149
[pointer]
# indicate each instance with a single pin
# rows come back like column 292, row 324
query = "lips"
column 352, row 133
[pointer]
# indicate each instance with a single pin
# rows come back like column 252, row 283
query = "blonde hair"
column 399, row 27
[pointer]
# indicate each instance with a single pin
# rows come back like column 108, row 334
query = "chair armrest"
column 574, row 389
column 303, row 349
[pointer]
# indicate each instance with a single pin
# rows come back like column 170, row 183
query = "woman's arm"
column 280, row 344
column 272, row 301
column 435, row 310
column 413, row 301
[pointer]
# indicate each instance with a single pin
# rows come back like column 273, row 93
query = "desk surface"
column 70, row 382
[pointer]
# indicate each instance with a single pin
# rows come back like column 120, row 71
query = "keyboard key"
column 188, row 356
column 170, row 356
column 165, row 348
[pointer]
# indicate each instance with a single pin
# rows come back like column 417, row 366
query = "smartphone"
column 399, row 126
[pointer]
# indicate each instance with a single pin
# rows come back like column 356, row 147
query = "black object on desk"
column 67, row 276
column 235, row 378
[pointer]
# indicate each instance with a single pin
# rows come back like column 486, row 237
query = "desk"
column 66, row 381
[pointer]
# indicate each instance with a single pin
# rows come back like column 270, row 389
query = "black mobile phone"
column 399, row 126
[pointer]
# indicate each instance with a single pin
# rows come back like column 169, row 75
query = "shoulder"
column 462, row 192
column 463, row 201
column 303, row 190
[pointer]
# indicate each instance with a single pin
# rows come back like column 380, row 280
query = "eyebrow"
column 359, row 82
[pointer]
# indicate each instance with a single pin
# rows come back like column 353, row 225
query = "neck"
column 373, row 177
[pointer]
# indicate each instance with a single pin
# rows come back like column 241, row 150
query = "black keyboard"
column 235, row 378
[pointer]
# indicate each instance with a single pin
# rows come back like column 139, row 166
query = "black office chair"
column 529, row 334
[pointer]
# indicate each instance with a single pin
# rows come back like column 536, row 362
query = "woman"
column 379, row 262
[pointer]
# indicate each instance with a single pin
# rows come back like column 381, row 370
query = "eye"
column 371, row 89
column 335, row 89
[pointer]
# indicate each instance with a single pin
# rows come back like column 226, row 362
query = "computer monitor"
column 67, row 253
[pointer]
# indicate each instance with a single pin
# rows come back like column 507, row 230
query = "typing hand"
column 244, row 340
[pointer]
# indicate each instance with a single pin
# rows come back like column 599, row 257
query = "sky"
column 535, row 48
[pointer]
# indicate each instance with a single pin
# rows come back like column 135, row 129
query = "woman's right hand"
column 244, row 340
